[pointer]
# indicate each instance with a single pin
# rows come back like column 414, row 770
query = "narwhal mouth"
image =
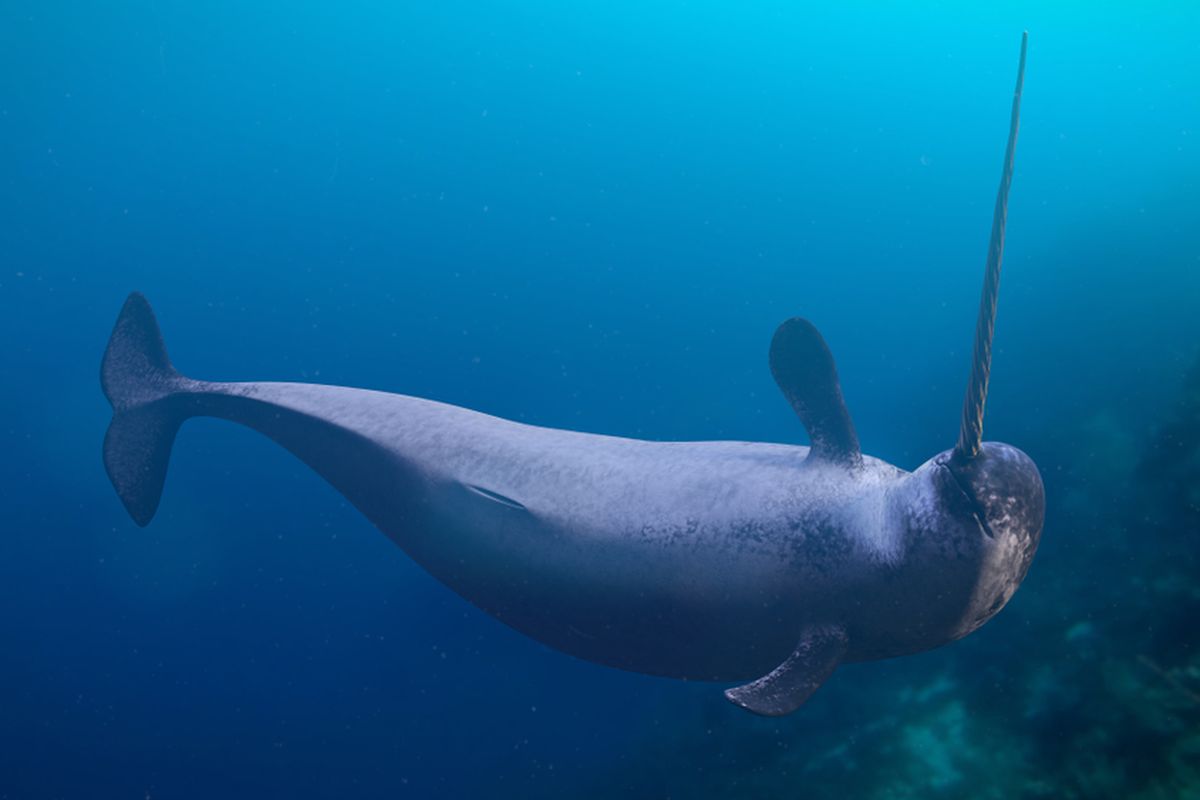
column 946, row 462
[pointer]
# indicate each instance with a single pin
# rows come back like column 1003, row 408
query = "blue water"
column 588, row 215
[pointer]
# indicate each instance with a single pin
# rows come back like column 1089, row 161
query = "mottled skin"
column 701, row 560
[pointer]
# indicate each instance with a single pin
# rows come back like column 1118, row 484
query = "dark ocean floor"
column 1088, row 687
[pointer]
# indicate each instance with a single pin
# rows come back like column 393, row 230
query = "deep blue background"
column 587, row 215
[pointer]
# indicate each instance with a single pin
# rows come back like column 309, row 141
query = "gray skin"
column 724, row 561
column 716, row 561
column 698, row 560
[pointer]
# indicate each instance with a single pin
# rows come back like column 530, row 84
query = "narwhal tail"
column 148, row 400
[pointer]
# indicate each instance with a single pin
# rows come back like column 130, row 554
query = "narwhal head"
column 1001, row 486
column 977, row 530
column 972, row 515
column 1004, row 494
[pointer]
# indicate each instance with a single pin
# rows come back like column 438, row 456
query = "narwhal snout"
column 1005, row 488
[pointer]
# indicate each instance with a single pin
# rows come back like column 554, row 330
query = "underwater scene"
column 590, row 257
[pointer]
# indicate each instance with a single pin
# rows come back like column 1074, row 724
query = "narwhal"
column 763, row 564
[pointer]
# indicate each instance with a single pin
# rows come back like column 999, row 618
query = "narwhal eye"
column 982, row 520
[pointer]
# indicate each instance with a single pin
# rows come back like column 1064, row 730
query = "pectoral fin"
column 785, row 688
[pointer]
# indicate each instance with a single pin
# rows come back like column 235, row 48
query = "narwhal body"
column 727, row 561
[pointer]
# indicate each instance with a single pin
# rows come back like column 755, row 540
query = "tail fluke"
column 144, row 390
